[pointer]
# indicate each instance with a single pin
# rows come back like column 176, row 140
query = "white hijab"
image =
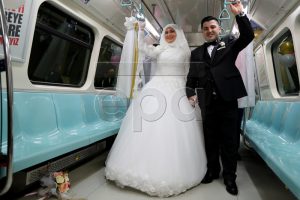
column 180, row 41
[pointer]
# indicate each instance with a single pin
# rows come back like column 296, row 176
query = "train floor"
column 255, row 182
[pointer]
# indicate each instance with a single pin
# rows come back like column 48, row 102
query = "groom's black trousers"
column 220, row 133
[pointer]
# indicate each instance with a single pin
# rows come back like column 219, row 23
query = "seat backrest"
column 69, row 111
column 90, row 113
column 265, row 117
column 279, row 113
column 36, row 114
column 111, row 108
column 291, row 128
column 257, row 110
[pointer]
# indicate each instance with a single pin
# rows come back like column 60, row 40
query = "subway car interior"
column 64, row 65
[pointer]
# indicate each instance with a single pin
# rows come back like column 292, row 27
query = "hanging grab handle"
column 137, row 10
column 224, row 14
column 125, row 3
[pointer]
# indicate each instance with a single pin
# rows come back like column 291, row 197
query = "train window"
column 61, row 49
column 108, row 64
column 285, row 65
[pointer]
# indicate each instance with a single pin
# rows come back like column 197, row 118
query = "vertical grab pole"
column 9, row 87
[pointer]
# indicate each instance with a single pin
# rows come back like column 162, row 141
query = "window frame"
column 107, row 37
column 276, row 63
column 69, row 38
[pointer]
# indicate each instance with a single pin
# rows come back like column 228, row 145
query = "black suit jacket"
column 220, row 67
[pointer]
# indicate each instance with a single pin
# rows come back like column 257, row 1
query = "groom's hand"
column 193, row 100
column 236, row 8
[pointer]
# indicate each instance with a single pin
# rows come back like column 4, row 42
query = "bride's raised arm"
column 149, row 50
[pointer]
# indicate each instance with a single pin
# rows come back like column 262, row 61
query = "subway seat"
column 48, row 125
column 274, row 132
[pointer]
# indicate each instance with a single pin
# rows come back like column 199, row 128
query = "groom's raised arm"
column 246, row 33
column 244, row 26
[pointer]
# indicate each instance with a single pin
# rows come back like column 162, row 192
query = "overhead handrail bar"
column 9, row 87
column 226, row 2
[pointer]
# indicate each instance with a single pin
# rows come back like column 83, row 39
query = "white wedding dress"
column 165, row 155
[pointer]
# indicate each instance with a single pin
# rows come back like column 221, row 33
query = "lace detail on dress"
column 145, row 184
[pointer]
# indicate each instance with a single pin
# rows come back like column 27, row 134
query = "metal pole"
column 9, row 86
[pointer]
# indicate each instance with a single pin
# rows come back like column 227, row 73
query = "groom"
column 216, row 81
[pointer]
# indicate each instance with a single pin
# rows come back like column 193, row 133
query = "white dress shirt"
column 210, row 48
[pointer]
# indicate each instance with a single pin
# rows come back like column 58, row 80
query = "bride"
column 160, row 148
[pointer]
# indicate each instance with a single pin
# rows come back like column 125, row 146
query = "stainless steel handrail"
column 9, row 86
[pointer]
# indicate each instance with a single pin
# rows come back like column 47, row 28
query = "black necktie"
column 214, row 43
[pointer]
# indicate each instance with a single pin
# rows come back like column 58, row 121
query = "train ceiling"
column 186, row 13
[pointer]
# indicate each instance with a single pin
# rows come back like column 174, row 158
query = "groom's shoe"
column 231, row 187
column 209, row 177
